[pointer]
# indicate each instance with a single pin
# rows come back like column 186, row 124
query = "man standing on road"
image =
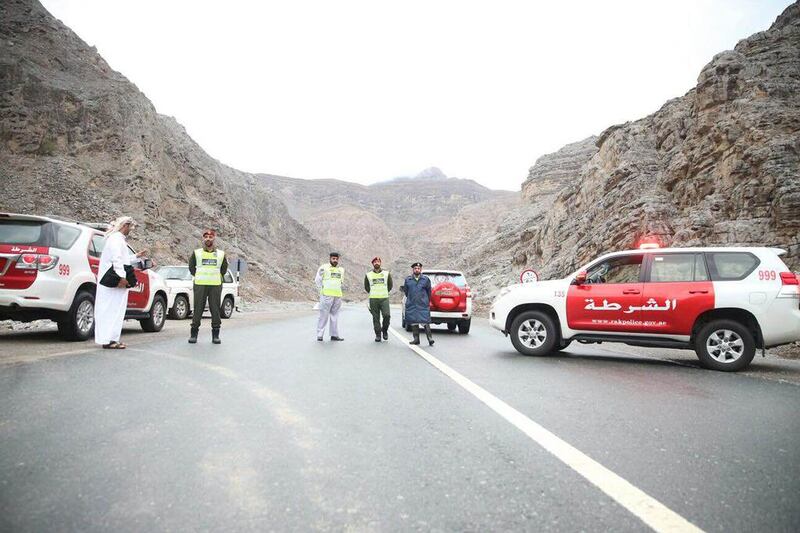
column 112, row 302
column 207, row 265
column 329, row 282
column 417, row 289
column 378, row 283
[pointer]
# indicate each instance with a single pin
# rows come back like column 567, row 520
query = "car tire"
column 226, row 309
column 725, row 345
column 78, row 324
column 180, row 308
column 464, row 325
column 158, row 315
column 534, row 333
column 451, row 326
column 563, row 345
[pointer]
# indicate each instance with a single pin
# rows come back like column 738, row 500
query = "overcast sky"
column 368, row 90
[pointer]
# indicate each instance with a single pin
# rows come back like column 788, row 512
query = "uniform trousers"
column 212, row 293
column 379, row 307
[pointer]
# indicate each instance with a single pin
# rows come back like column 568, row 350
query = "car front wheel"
column 226, row 310
column 725, row 345
column 158, row 315
column 180, row 309
column 534, row 333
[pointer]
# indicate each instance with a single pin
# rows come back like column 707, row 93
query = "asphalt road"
column 274, row 431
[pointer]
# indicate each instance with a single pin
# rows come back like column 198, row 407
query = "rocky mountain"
column 79, row 140
column 431, row 218
column 717, row 166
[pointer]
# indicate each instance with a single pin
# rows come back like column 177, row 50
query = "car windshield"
column 175, row 272
column 442, row 277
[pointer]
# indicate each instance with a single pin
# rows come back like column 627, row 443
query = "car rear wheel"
column 226, row 310
column 180, row 309
column 78, row 325
column 451, row 326
column 533, row 333
column 464, row 325
column 725, row 345
column 158, row 315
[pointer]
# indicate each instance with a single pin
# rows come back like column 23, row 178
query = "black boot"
column 415, row 332
column 428, row 334
column 378, row 337
column 193, row 336
column 386, row 334
column 215, row 336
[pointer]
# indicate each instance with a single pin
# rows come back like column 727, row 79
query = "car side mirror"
column 147, row 264
column 580, row 279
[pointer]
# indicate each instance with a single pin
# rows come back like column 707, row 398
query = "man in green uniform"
column 207, row 265
column 378, row 283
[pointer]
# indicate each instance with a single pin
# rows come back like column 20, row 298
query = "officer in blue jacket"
column 417, row 289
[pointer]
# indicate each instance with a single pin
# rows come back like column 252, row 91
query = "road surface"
column 273, row 430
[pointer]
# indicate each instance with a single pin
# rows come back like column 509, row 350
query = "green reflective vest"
column 332, row 280
column 208, row 265
column 378, row 284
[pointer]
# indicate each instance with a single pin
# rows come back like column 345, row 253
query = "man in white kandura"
column 111, row 302
column 329, row 282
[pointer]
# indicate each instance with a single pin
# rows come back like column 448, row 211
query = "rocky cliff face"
column 430, row 218
column 717, row 166
column 79, row 140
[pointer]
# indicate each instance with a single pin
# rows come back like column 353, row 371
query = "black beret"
column 417, row 264
column 334, row 254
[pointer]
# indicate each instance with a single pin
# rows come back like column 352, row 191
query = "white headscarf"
column 121, row 221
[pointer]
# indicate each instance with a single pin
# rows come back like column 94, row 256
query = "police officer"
column 417, row 289
column 378, row 283
column 329, row 282
column 207, row 265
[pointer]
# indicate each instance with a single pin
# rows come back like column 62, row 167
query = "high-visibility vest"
column 332, row 280
column 378, row 284
column 208, row 267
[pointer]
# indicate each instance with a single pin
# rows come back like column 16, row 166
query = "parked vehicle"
column 451, row 300
column 722, row 302
column 48, row 270
column 180, row 297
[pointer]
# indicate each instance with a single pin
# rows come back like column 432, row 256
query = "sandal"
column 114, row 345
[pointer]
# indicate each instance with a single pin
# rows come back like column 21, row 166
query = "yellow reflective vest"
column 208, row 264
column 332, row 280
column 378, row 284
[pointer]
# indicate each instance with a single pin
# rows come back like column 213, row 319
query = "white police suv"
column 48, row 270
column 722, row 302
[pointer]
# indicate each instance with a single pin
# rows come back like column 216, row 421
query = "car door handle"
column 698, row 292
column 631, row 291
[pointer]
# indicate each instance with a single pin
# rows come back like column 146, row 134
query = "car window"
column 730, row 266
column 65, row 236
column 228, row 277
column 442, row 277
column 672, row 267
column 700, row 270
column 622, row 269
column 22, row 232
column 98, row 243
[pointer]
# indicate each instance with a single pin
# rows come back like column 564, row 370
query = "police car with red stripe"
column 724, row 303
column 48, row 270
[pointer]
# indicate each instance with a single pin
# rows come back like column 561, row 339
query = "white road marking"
column 645, row 507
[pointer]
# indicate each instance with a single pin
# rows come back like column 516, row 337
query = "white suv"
column 48, row 270
column 451, row 300
column 180, row 295
column 722, row 302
